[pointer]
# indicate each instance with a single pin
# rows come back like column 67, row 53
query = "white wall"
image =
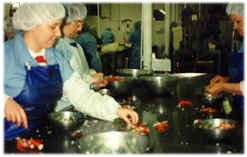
column 6, row 9
column 113, row 14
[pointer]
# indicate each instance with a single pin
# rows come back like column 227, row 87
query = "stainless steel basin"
column 188, row 75
column 133, row 72
column 122, row 87
column 66, row 120
column 216, row 128
column 191, row 83
column 160, row 85
column 104, row 91
column 113, row 142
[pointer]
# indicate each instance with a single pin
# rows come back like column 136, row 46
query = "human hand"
column 15, row 113
column 128, row 115
column 99, row 81
column 218, row 79
column 216, row 89
column 98, row 77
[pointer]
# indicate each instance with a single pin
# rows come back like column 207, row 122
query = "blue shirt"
column 89, row 44
column 135, row 38
column 107, row 37
column 16, row 56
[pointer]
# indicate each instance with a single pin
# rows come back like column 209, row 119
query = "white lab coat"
column 89, row 102
column 81, row 97
column 76, row 58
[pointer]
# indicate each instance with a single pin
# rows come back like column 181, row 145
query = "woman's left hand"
column 128, row 115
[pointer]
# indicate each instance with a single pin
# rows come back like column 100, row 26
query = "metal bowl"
column 104, row 91
column 123, row 87
column 66, row 120
column 211, row 128
column 188, row 75
column 192, row 82
column 160, row 85
column 209, row 98
column 113, row 142
column 133, row 72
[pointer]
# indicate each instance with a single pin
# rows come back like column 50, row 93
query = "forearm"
column 87, row 78
column 233, row 88
column 88, row 101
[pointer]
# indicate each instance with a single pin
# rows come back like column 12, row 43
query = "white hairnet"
column 235, row 8
column 75, row 12
column 30, row 15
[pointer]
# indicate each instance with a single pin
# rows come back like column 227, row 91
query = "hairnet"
column 30, row 15
column 235, row 8
column 75, row 12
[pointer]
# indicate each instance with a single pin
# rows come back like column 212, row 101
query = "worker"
column 135, row 51
column 73, row 52
column 36, row 75
column 89, row 44
column 107, row 36
column 234, row 83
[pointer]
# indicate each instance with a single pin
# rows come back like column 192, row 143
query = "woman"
column 36, row 75
column 234, row 83
column 72, row 51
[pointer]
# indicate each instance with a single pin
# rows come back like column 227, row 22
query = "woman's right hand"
column 15, row 113
column 128, row 115
column 99, row 81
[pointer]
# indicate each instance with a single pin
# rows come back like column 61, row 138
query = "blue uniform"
column 36, row 88
column 107, row 37
column 236, row 72
column 89, row 44
column 135, row 51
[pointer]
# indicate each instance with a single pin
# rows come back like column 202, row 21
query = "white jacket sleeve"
column 92, row 72
column 89, row 102
column 87, row 78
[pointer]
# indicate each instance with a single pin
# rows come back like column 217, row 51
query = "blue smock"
column 107, row 37
column 135, row 51
column 89, row 44
column 236, row 73
column 36, row 88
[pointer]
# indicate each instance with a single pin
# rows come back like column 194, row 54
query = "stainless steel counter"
column 181, row 137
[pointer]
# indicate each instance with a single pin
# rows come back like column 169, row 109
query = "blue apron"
column 41, row 91
column 236, row 74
